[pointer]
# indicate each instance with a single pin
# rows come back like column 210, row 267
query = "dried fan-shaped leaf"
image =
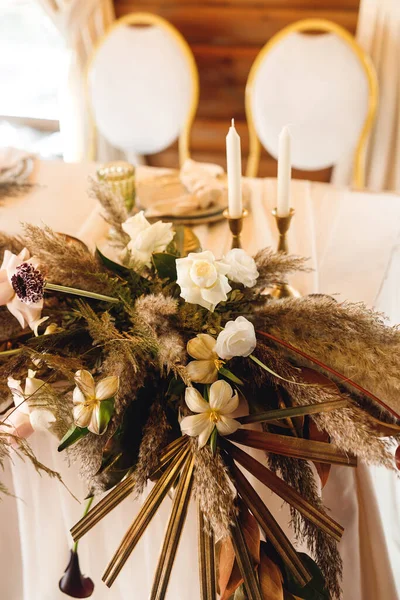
column 287, row 493
column 173, row 533
column 144, row 516
column 298, row 474
column 313, row 433
column 269, row 525
column 350, row 428
column 290, row 446
column 271, row 580
column 230, row 577
column 208, row 588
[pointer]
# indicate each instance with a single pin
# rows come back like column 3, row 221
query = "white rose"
column 146, row 238
column 238, row 338
column 242, row 267
column 202, row 279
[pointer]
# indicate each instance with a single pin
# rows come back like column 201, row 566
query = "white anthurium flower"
column 238, row 338
column 87, row 397
column 216, row 413
column 28, row 417
column 242, row 267
column 146, row 238
column 22, row 288
column 205, row 367
column 202, row 279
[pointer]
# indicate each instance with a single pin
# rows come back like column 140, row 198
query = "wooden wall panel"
column 225, row 37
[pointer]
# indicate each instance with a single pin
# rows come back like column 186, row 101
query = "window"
column 33, row 59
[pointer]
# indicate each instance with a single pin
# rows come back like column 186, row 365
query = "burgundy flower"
column 73, row 583
column 28, row 283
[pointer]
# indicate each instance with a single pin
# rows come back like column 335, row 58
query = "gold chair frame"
column 373, row 93
column 143, row 18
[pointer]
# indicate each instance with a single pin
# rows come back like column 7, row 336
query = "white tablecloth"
column 352, row 240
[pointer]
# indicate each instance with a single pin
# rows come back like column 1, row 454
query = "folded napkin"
column 193, row 172
column 13, row 164
column 203, row 186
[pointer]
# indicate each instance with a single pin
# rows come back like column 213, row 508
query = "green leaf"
column 165, row 265
column 113, row 266
column 315, row 589
column 206, row 392
column 112, row 452
column 236, row 296
column 213, row 440
column 106, row 411
column 176, row 388
column 229, row 375
column 121, row 451
column 73, row 435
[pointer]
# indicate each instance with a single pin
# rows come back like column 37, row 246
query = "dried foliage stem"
column 352, row 340
column 298, row 474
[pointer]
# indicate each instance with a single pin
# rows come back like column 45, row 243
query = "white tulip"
column 205, row 368
column 146, row 238
column 202, row 279
column 21, row 288
column 242, row 267
column 238, row 338
column 87, row 397
column 223, row 402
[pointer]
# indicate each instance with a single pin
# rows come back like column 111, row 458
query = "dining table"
column 352, row 242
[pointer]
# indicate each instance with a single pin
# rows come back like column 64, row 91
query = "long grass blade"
column 269, row 525
column 144, row 517
column 294, row 447
column 244, row 561
column 173, row 533
column 285, row 491
column 121, row 491
column 208, row 588
column 84, row 293
column 329, row 369
column 295, row 411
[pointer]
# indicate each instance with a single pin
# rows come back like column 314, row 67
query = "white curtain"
column 378, row 32
column 81, row 23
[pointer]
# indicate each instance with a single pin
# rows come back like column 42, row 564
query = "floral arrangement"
column 161, row 366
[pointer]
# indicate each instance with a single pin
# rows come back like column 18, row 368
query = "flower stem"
column 10, row 352
column 271, row 372
column 75, row 292
column 85, row 512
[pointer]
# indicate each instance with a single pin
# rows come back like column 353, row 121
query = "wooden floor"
column 225, row 37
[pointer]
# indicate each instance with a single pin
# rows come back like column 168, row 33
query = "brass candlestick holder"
column 283, row 289
column 236, row 226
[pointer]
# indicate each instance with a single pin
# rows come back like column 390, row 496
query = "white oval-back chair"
column 324, row 86
column 143, row 86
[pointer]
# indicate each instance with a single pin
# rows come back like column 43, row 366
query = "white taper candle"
column 234, row 171
column 284, row 173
